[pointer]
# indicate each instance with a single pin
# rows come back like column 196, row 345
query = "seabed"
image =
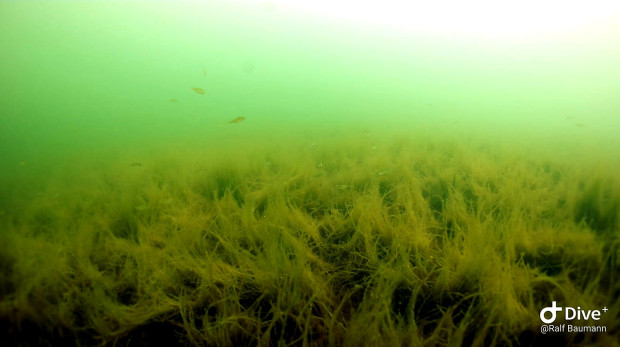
column 349, row 240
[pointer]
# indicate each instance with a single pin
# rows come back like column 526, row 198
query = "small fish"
column 199, row 90
column 174, row 100
column 237, row 120
column 204, row 72
column 136, row 164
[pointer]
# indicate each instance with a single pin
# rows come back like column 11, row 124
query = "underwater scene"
column 296, row 173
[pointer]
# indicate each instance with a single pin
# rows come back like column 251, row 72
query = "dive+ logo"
column 570, row 313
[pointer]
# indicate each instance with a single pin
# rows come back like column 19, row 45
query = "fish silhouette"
column 237, row 120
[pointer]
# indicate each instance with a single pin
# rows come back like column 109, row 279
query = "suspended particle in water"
column 248, row 67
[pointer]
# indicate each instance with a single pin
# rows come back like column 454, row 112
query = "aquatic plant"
column 388, row 242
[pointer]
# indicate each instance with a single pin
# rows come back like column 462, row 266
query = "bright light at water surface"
column 469, row 18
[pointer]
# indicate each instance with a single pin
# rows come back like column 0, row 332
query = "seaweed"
column 598, row 207
column 405, row 242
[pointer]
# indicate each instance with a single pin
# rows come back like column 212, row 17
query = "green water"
column 88, row 75
column 377, row 171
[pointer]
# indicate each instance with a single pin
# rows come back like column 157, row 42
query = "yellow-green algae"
column 342, row 241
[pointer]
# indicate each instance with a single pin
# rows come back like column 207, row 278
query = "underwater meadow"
column 345, row 240
column 239, row 173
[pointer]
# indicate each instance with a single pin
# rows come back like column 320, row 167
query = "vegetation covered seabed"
column 347, row 240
